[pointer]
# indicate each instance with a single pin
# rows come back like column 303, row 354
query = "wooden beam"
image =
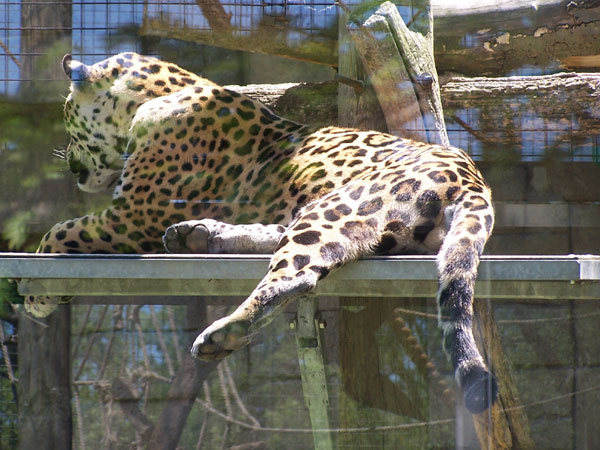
column 474, row 38
column 402, row 70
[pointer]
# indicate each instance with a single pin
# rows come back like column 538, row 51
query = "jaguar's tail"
column 458, row 259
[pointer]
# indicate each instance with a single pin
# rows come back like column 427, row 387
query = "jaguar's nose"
column 75, row 165
column 83, row 176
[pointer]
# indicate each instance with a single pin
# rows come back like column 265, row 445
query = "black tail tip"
column 480, row 390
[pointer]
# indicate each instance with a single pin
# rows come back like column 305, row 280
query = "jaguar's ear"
column 77, row 72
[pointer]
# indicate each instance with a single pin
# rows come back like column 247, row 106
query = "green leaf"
column 15, row 229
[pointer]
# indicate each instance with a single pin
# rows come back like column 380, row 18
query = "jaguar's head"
column 101, row 105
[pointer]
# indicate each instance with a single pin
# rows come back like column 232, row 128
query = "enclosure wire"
column 161, row 341
column 228, row 409
column 236, row 395
column 378, row 428
column 80, row 332
column 173, row 330
column 208, row 401
column 79, row 418
column 138, row 327
column 91, row 343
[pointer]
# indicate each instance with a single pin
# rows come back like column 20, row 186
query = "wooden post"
column 312, row 370
column 401, row 67
column 45, row 419
column 402, row 70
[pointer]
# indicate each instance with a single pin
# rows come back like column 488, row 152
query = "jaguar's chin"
column 98, row 182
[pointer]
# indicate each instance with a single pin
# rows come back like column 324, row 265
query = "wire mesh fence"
column 32, row 33
column 97, row 29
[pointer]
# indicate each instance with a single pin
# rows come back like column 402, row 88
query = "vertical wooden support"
column 312, row 370
column 45, row 419
column 402, row 70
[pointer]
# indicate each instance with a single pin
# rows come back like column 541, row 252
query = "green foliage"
column 30, row 176
column 15, row 230
column 8, row 366
column 8, row 296
column 40, row 88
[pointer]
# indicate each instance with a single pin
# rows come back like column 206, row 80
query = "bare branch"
column 214, row 12
column 10, row 54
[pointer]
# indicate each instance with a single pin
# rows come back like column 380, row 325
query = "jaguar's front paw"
column 190, row 236
column 220, row 339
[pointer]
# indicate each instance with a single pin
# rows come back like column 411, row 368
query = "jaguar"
column 220, row 172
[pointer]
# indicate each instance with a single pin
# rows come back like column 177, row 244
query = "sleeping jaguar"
column 213, row 167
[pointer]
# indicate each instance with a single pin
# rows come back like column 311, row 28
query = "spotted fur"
column 176, row 147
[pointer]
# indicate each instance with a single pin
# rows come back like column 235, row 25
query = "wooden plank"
column 505, row 290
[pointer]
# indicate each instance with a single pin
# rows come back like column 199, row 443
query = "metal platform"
column 539, row 277
column 151, row 276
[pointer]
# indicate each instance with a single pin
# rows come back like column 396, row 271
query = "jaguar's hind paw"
column 220, row 339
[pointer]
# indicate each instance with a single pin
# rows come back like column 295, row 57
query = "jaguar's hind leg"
column 457, row 263
column 211, row 236
column 233, row 332
column 307, row 252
